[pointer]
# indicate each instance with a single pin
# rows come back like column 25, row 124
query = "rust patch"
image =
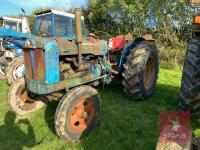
column 27, row 62
column 87, row 47
column 23, row 99
column 39, row 65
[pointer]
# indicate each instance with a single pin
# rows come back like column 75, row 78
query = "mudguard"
column 126, row 51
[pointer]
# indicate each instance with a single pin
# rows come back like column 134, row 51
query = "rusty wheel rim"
column 149, row 73
column 81, row 115
column 25, row 100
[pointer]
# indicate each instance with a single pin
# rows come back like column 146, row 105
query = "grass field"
column 124, row 124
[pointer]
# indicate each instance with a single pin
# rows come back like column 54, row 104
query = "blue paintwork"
column 32, row 61
column 42, row 88
column 8, row 32
column 16, row 42
column 51, row 60
column 52, row 53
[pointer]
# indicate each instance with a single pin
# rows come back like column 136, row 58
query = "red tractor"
column 190, row 84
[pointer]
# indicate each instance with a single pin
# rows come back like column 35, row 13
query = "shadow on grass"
column 50, row 114
column 128, row 124
column 12, row 137
column 125, row 124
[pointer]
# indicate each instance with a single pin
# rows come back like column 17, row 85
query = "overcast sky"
column 13, row 7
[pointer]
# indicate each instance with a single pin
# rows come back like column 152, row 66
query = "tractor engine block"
column 90, row 64
column 53, row 64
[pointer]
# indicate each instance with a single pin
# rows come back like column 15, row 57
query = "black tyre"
column 15, row 70
column 190, row 84
column 77, row 113
column 141, row 71
column 22, row 101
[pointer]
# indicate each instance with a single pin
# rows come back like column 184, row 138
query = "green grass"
column 123, row 124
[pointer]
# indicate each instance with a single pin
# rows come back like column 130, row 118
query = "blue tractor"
column 11, row 60
column 9, row 53
column 64, row 63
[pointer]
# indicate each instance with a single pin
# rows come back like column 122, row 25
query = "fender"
column 126, row 51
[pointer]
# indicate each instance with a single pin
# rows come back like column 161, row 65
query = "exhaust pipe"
column 79, row 36
column 25, row 25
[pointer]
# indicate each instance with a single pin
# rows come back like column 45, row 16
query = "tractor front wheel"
column 15, row 70
column 22, row 101
column 141, row 71
column 77, row 113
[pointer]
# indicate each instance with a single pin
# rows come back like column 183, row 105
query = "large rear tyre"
column 77, row 113
column 22, row 101
column 190, row 84
column 141, row 71
column 15, row 70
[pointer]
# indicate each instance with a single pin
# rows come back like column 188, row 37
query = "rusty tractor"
column 190, row 84
column 66, row 68
column 11, row 60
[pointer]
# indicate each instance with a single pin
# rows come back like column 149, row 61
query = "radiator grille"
column 35, row 65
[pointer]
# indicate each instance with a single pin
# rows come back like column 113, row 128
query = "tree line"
column 169, row 21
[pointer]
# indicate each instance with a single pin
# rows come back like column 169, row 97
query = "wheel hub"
column 82, row 113
column 18, row 71
column 149, row 73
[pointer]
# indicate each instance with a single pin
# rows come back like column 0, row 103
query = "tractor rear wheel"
column 77, row 113
column 15, row 70
column 22, row 101
column 190, row 84
column 141, row 71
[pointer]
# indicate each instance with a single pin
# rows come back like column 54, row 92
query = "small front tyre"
column 77, row 113
column 15, row 70
column 21, row 101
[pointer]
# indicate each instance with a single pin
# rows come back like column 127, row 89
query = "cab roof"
column 11, row 19
column 57, row 12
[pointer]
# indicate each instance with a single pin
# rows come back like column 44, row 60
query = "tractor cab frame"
column 11, row 23
column 54, row 23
